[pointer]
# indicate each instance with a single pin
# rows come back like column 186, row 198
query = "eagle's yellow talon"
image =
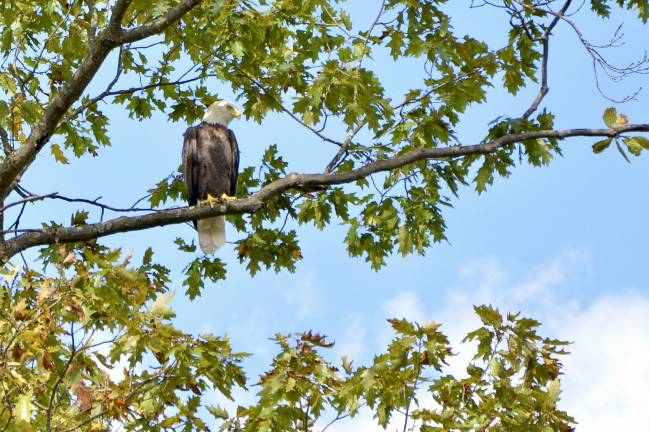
column 211, row 201
column 227, row 198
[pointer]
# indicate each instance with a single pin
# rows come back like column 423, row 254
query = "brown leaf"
column 20, row 311
column 69, row 259
column 17, row 352
column 316, row 339
column 297, row 253
column 127, row 258
column 47, row 361
column 75, row 307
column 243, row 251
column 121, row 404
column 84, row 396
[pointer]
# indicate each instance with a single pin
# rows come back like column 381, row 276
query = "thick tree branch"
column 12, row 167
column 253, row 203
column 117, row 15
column 159, row 24
column 6, row 142
column 113, row 36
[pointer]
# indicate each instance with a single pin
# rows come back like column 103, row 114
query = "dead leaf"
column 621, row 121
column 69, row 259
column 243, row 251
column 297, row 253
column 127, row 258
column 84, row 396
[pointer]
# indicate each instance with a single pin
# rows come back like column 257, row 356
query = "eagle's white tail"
column 211, row 233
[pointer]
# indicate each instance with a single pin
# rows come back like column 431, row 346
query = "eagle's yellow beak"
column 237, row 114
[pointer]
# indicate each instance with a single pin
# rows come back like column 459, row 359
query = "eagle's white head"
column 221, row 112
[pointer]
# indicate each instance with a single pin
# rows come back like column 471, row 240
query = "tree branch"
column 57, row 196
column 159, row 24
column 615, row 73
column 113, row 36
column 6, row 142
column 253, row 203
column 108, row 92
column 544, row 62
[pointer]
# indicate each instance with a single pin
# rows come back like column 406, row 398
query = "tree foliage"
column 400, row 162
column 66, row 334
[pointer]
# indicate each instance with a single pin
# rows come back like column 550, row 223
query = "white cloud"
column 605, row 374
column 404, row 305
column 304, row 294
column 353, row 343
column 116, row 372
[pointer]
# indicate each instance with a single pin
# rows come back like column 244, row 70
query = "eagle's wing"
column 190, row 165
column 234, row 151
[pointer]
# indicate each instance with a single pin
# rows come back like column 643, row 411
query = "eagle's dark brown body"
column 211, row 166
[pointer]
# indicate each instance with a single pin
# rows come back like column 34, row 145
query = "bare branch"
column 293, row 181
column 544, row 62
column 614, row 72
column 344, row 149
column 57, row 196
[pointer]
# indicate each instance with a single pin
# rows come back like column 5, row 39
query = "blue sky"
column 566, row 244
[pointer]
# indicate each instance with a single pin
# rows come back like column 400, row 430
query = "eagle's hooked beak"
column 237, row 114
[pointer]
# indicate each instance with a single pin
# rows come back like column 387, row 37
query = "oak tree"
column 88, row 308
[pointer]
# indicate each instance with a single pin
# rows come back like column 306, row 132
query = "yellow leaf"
column 44, row 292
column 9, row 277
column 24, row 408
column 161, row 305
column 18, row 378
column 554, row 391
column 58, row 154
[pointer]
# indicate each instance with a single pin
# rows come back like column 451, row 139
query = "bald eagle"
column 211, row 165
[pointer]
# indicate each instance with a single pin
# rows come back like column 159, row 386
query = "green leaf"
column 644, row 142
column 610, row 116
column 217, row 412
column 80, row 217
column 489, row 315
column 634, row 145
column 238, row 49
column 622, row 152
column 600, row 146
column 554, row 392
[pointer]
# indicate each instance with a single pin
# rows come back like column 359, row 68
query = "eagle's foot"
column 226, row 198
column 211, row 200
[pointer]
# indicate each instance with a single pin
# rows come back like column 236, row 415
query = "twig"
column 544, row 63
column 344, row 149
column 57, row 196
